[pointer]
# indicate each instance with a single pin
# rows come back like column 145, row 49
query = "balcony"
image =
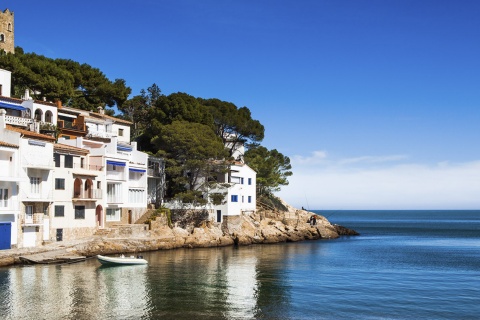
column 99, row 134
column 18, row 121
column 116, row 175
column 37, row 196
column 38, row 163
column 87, row 195
column 35, row 219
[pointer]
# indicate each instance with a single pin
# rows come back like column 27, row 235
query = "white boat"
column 121, row 260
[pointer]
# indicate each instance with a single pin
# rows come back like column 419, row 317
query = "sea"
column 403, row 265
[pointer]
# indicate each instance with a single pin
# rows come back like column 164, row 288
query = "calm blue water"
column 404, row 265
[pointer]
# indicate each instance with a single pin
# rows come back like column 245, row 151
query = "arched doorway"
column 88, row 189
column 38, row 115
column 48, row 116
column 77, row 188
column 99, row 216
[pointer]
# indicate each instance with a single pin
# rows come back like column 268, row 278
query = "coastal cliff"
column 259, row 227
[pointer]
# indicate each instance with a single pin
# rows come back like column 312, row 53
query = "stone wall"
column 7, row 30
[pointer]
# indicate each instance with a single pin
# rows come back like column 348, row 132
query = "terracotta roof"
column 67, row 148
column 31, row 134
column 8, row 99
column 47, row 103
column 4, row 144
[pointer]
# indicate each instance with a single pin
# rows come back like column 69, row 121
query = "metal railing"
column 88, row 194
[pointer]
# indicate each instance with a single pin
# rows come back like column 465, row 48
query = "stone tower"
column 6, row 31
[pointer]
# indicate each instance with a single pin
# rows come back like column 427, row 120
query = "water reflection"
column 228, row 283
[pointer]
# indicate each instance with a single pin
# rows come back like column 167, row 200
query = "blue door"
column 5, row 235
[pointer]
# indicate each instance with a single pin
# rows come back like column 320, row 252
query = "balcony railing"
column 99, row 134
column 69, row 125
column 115, row 175
column 87, row 167
column 18, row 121
column 88, row 194
column 32, row 219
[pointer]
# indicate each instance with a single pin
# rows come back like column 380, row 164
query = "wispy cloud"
column 359, row 183
column 373, row 159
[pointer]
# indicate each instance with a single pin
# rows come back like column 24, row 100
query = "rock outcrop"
column 261, row 226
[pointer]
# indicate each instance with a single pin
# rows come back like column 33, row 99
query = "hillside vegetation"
column 196, row 136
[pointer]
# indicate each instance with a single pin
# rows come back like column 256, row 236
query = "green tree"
column 233, row 125
column 189, row 149
column 272, row 167
column 77, row 85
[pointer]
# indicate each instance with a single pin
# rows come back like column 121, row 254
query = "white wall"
column 6, row 82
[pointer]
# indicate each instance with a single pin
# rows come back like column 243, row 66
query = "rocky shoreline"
column 259, row 227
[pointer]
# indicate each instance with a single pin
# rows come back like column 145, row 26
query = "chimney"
column 27, row 95
column 2, row 118
column 100, row 110
column 59, row 104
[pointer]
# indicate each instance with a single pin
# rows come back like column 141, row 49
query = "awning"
column 137, row 170
column 124, row 148
column 11, row 106
column 116, row 163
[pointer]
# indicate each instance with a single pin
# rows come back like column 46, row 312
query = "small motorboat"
column 121, row 260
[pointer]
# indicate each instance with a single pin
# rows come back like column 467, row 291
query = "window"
column 59, row 211
column 82, row 162
column 243, row 199
column 241, row 180
column 120, row 132
column 136, row 195
column 59, row 184
column 29, row 214
column 35, row 185
column 79, row 212
column 113, row 214
column 3, row 198
column 56, row 158
column 249, row 199
column 2, row 37
column 68, row 161
column 234, row 198
column 249, row 181
column 113, row 192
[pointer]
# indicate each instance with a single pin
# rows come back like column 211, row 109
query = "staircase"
column 145, row 216
column 102, row 232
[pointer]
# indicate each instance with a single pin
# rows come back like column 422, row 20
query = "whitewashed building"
column 35, row 187
column 77, row 194
column 9, row 184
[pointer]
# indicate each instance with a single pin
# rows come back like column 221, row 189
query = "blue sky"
column 375, row 102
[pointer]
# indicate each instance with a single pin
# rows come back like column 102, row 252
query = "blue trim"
column 116, row 163
column 121, row 148
column 137, row 170
column 12, row 106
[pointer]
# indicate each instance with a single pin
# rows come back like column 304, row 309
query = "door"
column 59, row 234
column 5, row 235
column 219, row 215
column 28, row 214
column 29, row 237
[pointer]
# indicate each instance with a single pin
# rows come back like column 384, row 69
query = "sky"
column 375, row 102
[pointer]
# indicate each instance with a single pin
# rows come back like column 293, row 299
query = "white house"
column 240, row 196
column 35, row 187
column 77, row 194
column 123, row 180
column 9, row 184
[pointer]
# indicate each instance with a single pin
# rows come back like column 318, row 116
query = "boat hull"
column 111, row 261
